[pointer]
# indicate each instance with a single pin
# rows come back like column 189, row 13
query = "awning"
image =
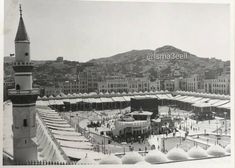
column 106, row 100
column 202, row 105
column 220, row 103
column 162, row 96
column 127, row 98
column 225, row 106
column 118, row 99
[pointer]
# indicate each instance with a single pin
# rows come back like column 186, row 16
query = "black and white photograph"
column 121, row 83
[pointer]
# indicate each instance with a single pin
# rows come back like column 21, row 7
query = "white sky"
column 79, row 30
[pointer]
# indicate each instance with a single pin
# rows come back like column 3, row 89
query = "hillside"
column 138, row 62
column 132, row 63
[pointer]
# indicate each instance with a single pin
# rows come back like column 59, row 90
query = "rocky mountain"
column 162, row 62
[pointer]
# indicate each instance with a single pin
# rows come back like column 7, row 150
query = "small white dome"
column 92, row 93
column 197, row 152
column 143, row 163
column 86, row 161
column 216, row 150
column 177, row 154
column 228, row 148
column 58, row 96
column 111, row 159
column 132, row 158
column 51, row 96
column 44, row 97
column 155, row 156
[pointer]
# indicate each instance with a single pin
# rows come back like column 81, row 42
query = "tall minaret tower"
column 23, row 98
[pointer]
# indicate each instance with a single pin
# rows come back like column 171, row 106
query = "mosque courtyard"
column 203, row 133
column 96, row 143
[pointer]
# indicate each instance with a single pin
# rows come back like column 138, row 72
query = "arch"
column 17, row 87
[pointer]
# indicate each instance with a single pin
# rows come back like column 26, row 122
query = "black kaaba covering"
column 147, row 104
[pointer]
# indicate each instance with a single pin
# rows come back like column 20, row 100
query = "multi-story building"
column 155, row 85
column 51, row 90
column 194, row 83
column 183, row 84
column 221, row 85
column 138, row 84
column 122, row 84
column 169, row 85
column 88, row 79
column 113, row 84
column 69, row 87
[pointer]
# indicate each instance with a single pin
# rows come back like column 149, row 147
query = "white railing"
column 132, row 123
column 14, row 91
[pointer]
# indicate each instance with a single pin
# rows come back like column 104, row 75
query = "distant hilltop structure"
column 59, row 59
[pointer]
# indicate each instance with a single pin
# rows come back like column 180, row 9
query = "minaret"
column 23, row 98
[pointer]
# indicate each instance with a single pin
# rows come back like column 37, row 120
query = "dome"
column 143, row 163
column 58, row 96
column 197, row 152
column 123, row 93
column 155, row 156
column 63, row 95
column 177, row 154
column 111, row 159
column 132, row 158
column 44, row 97
column 216, row 150
column 112, row 92
column 92, row 93
column 86, row 161
column 228, row 148
column 51, row 96
column 101, row 93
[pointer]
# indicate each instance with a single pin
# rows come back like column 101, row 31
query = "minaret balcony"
column 23, row 96
column 34, row 91
column 23, row 66
column 16, row 63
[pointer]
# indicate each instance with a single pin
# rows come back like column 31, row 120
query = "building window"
column 25, row 124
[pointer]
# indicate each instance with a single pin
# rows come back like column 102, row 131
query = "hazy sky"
column 79, row 30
